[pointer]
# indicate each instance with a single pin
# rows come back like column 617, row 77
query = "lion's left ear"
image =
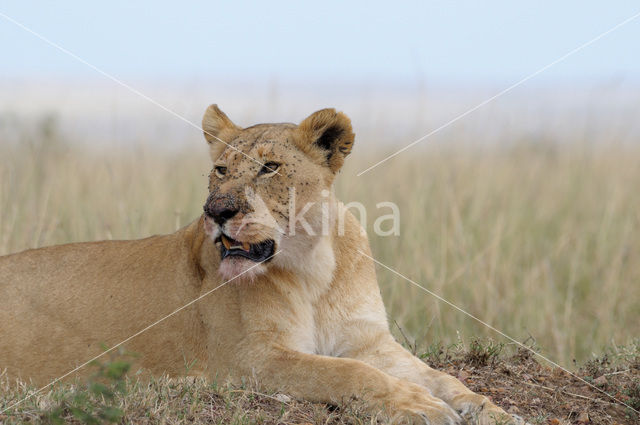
column 326, row 136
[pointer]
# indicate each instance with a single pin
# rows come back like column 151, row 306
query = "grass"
column 540, row 242
column 514, row 381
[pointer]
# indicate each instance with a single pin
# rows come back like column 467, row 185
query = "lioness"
column 290, row 300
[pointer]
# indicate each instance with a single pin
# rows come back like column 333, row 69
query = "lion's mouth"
column 257, row 252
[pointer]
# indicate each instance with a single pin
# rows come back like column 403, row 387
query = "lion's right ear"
column 218, row 129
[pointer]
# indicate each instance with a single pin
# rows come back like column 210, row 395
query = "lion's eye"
column 268, row 168
column 220, row 171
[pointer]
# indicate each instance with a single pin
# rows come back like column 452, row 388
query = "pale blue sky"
column 474, row 41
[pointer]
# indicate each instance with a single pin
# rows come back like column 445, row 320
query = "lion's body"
column 55, row 318
column 62, row 303
column 306, row 319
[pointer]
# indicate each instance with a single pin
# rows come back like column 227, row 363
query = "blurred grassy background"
column 538, row 239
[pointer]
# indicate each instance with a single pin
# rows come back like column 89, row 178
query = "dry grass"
column 518, row 383
column 184, row 401
column 539, row 242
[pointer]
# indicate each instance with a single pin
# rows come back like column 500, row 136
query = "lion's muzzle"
column 221, row 208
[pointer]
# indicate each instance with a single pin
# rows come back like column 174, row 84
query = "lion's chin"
column 240, row 269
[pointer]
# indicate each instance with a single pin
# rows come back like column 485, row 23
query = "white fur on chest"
column 314, row 271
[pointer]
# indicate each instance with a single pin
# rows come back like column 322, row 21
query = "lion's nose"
column 221, row 212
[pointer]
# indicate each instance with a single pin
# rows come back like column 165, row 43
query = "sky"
column 446, row 41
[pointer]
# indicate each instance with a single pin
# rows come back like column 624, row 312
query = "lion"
column 281, row 296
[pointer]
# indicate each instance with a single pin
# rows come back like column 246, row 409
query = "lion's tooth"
column 226, row 242
column 246, row 246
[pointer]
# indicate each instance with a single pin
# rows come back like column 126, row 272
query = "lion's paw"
column 497, row 416
column 415, row 405
column 477, row 409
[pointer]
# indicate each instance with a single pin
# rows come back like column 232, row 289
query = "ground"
column 547, row 395
column 514, row 379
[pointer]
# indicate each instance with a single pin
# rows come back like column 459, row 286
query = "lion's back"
column 63, row 302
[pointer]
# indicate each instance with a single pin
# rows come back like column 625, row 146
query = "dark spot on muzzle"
column 221, row 208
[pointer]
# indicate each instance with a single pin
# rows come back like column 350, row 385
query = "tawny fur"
column 310, row 322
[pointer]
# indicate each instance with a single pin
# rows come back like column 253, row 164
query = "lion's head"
column 269, row 188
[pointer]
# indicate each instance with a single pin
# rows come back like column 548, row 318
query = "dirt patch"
column 547, row 395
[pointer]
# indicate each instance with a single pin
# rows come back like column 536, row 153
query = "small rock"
column 283, row 398
column 583, row 418
column 600, row 381
column 554, row 421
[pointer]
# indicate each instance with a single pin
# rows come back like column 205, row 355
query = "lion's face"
column 268, row 184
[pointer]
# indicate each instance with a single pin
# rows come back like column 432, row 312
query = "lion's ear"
column 327, row 136
column 218, row 129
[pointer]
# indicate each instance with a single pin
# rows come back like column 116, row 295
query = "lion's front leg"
column 389, row 356
column 336, row 380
